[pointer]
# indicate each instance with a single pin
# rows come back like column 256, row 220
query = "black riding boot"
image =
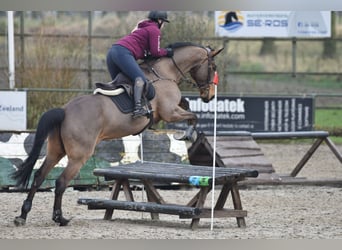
column 138, row 90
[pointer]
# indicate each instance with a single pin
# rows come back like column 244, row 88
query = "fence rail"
column 91, row 68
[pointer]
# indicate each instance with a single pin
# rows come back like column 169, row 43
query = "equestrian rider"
column 142, row 41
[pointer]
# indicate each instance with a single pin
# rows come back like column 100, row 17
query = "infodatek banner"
column 305, row 24
column 252, row 114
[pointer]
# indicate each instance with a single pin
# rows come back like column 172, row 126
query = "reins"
column 184, row 77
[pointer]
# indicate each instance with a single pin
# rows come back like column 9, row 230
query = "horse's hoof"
column 184, row 137
column 18, row 221
column 63, row 222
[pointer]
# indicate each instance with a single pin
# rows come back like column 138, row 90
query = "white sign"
column 273, row 23
column 13, row 110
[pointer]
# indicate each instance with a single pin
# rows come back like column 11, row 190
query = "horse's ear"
column 216, row 52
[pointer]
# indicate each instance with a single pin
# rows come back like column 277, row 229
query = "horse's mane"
column 175, row 45
column 183, row 44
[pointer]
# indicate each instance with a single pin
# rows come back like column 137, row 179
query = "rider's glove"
column 169, row 52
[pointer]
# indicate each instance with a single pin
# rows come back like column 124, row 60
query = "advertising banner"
column 13, row 110
column 253, row 114
column 313, row 24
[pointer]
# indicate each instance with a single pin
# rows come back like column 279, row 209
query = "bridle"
column 211, row 67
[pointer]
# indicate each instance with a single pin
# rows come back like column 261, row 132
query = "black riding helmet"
column 155, row 15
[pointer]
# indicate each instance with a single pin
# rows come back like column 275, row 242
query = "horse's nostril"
column 205, row 100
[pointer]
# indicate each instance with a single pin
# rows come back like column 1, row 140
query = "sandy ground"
column 274, row 212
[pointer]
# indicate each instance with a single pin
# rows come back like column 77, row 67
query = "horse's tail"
column 48, row 121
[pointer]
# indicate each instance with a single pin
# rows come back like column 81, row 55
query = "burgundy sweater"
column 146, row 37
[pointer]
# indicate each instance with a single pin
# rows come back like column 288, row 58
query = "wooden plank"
column 290, row 135
column 171, row 172
column 293, row 181
column 222, row 213
column 334, row 149
column 306, row 157
column 237, row 145
column 183, row 211
column 257, row 163
column 232, row 139
column 234, row 152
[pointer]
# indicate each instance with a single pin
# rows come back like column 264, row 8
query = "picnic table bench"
column 148, row 173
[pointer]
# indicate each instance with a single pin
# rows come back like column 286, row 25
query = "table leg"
column 237, row 204
column 114, row 196
column 202, row 195
column 221, row 200
column 153, row 196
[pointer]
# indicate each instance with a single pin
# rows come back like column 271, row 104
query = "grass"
column 330, row 120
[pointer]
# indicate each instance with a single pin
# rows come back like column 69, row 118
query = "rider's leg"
column 138, row 90
column 113, row 68
column 124, row 59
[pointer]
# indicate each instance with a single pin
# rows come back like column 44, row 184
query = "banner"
column 273, row 24
column 13, row 110
column 253, row 114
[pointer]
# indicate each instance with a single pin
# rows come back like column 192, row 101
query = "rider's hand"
column 169, row 52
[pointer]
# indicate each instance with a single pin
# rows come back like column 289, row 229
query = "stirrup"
column 139, row 112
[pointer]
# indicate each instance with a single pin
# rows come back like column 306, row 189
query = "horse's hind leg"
column 55, row 152
column 39, row 178
column 62, row 182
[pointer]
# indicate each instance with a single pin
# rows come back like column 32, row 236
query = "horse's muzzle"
column 206, row 99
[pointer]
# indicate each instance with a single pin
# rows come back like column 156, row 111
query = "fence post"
column 294, row 54
column 225, row 43
column 22, row 42
column 89, row 50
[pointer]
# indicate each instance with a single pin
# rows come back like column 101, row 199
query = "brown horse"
column 75, row 129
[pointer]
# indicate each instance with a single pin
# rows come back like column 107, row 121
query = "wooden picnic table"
column 150, row 173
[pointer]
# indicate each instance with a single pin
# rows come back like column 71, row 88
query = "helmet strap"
column 160, row 23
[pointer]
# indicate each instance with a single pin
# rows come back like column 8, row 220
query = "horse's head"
column 204, row 75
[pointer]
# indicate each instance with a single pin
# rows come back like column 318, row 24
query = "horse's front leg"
column 179, row 114
column 192, row 122
column 188, row 134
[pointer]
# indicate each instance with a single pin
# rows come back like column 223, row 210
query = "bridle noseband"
column 204, row 86
column 211, row 66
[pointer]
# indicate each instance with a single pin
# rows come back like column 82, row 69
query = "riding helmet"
column 155, row 15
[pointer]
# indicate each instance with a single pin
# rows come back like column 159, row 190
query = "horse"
column 75, row 129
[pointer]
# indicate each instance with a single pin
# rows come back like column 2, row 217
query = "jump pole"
column 215, row 81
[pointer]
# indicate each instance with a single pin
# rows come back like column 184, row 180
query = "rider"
column 142, row 41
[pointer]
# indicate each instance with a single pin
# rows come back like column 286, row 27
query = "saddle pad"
column 123, row 102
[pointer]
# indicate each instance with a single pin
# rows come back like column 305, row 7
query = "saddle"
column 121, row 90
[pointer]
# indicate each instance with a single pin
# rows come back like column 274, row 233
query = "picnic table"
column 150, row 173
